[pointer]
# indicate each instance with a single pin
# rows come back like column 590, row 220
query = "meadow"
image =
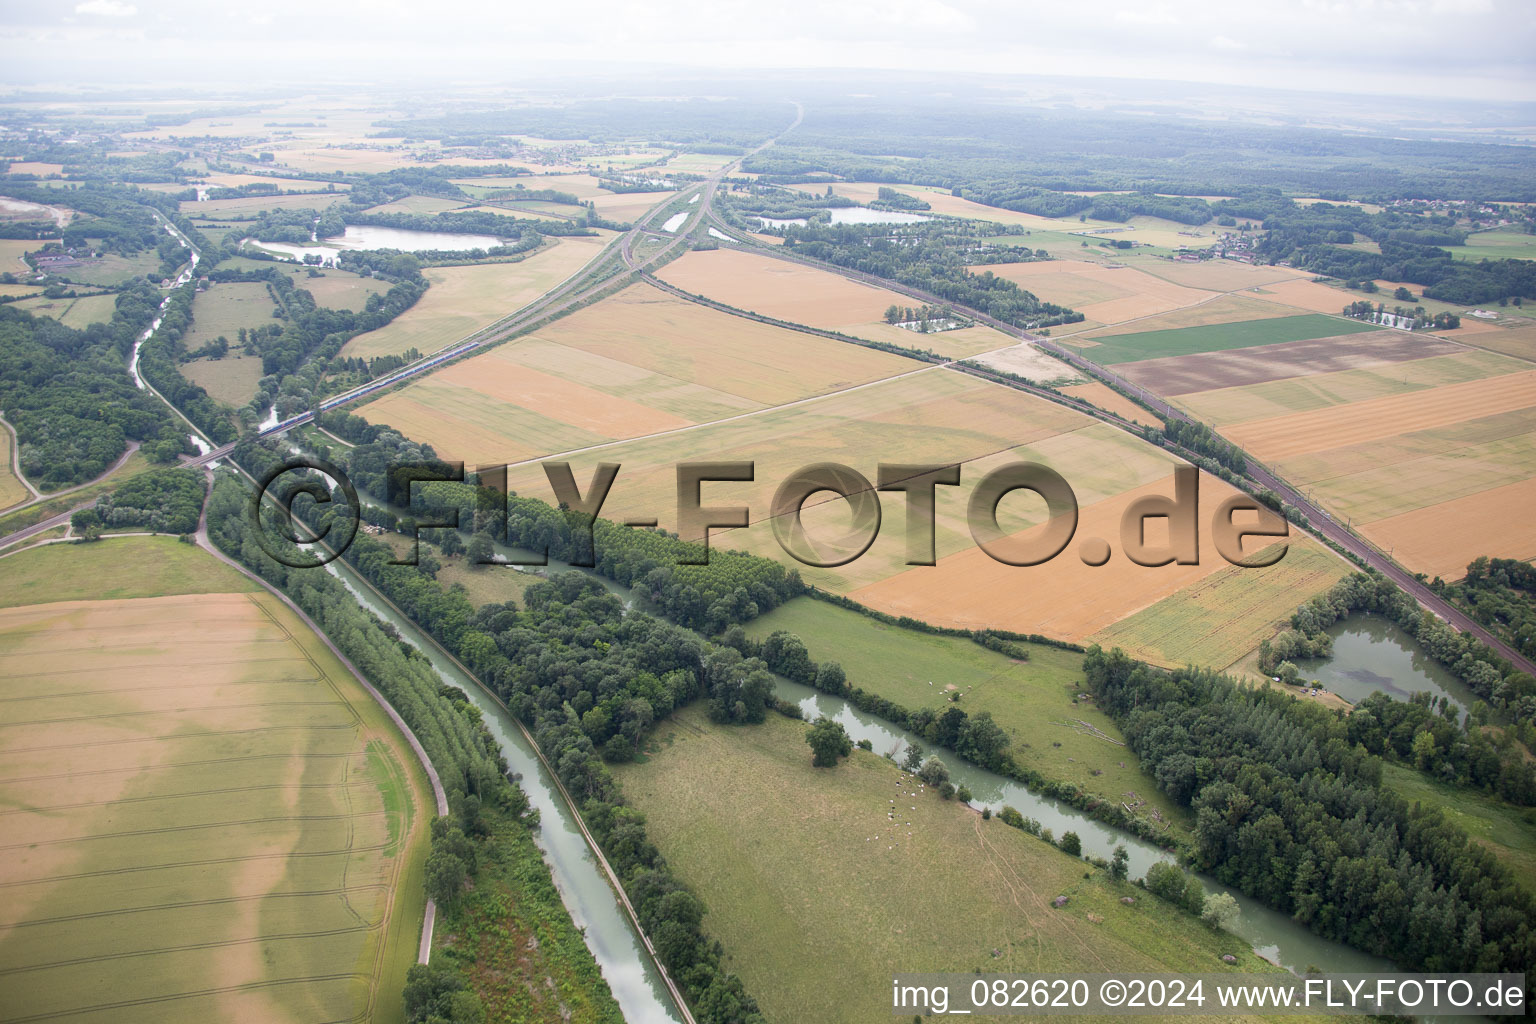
column 462, row 300
column 1034, row 701
column 225, row 308
column 248, row 839
column 820, row 898
column 1505, row 830
column 78, row 313
column 247, row 207
column 1124, row 348
column 231, row 380
column 110, row 271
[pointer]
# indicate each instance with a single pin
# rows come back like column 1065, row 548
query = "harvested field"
column 1220, row 618
column 1031, row 361
column 784, row 857
column 1307, row 294
column 816, row 298
column 462, row 300
column 231, row 380
column 111, row 271
column 225, row 308
column 1126, row 348
column 1110, row 400
column 582, row 186
column 249, row 839
column 1223, row 309
column 1108, row 294
column 1182, row 375
column 1216, row 275
column 928, row 416
column 1519, row 342
column 627, row 207
column 1441, row 539
column 1322, row 390
column 1063, row 598
column 637, row 363
column 1284, row 437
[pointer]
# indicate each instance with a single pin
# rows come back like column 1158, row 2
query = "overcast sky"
column 1480, row 49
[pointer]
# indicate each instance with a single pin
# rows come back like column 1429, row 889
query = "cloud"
column 1227, row 43
column 107, row 8
column 1151, row 16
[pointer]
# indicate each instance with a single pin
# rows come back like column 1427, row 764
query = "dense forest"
column 160, row 500
column 1457, row 753
column 1290, row 811
column 69, row 395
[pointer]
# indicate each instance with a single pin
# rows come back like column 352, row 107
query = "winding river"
column 591, row 901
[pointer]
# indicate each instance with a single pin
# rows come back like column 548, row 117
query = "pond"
column 1373, row 655
column 369, row 236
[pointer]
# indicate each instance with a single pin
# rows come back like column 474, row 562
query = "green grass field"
column 115, row 570
column 1508, row 832
column 231, row 380
column 77, row 313
column 225, row 308
column 110, row 271
column 1034, row 701
column 249, row 839
column 816, row 912
column 1125, row 348
column 1219, row 619
column 1496, row 245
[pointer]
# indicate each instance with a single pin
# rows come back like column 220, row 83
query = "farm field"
column 1222, row 309
column 1064, row 598
column 1110, row 400
column 247, row 207
column 1032, row 362
column 1217, row 620
column 931, row 416
column 462, row 300
column 1519, row 342
column 418, row 204
column 817, row 298
column 639, row 362
column 1125, row 348
column 266, row 859
column 225, row 308
column 626, row 207
column 231, row 380
column 784, row 857
column 1033, row 701
column 1106, row 293
column 1317, row 374
column 12, row 491
column 1217, row 275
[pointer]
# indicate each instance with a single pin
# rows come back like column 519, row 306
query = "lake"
column 1373, row 655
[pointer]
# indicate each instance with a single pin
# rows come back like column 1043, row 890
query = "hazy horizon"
column 1475, row 50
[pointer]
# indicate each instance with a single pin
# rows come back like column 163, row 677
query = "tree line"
column 1289, row 811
